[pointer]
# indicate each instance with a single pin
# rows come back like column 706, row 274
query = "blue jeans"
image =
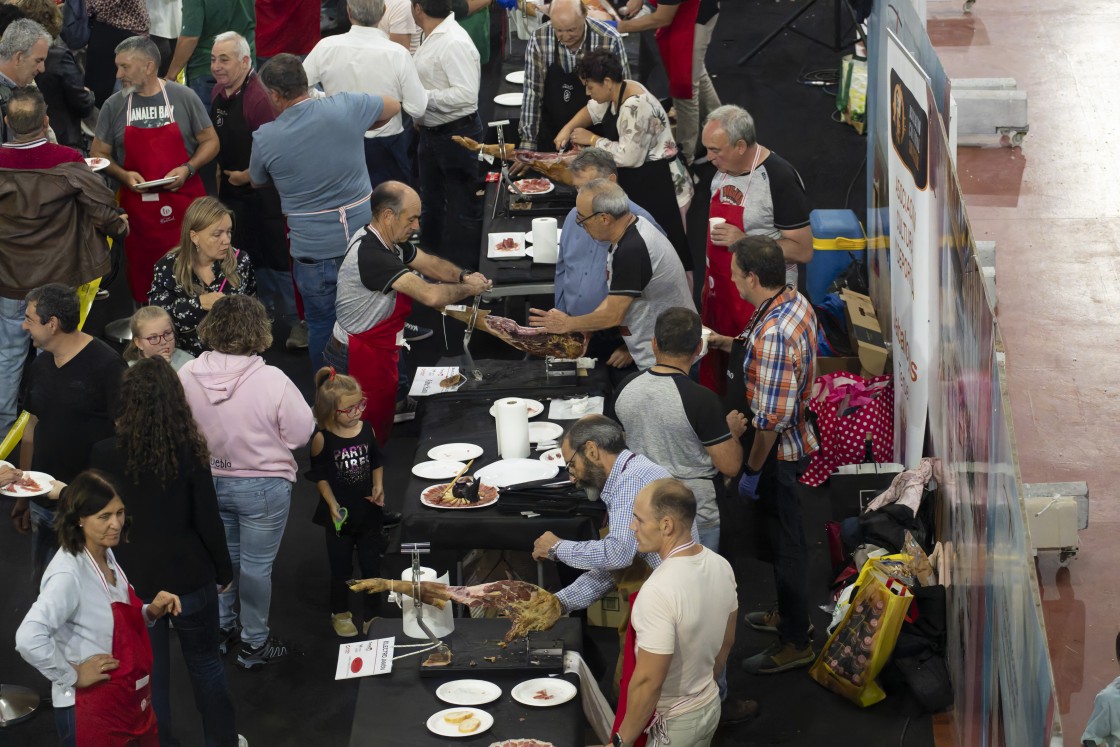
column 13, row 352
column 203, row 85
column 44, row 540
column 387, row 159
column 255, row 512
column 451, row 212
column 276, row 292
column 709, row 537
column 66, row 723
column 317, row 280
column 197, row 630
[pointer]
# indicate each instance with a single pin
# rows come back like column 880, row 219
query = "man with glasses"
column 378, row 280
column 594, row 449
column 644, row 274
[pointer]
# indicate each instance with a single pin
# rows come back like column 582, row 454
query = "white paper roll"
column 512, row 418
column 544, row 240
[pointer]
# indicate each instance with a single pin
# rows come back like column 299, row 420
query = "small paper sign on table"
column 435, row 380
column 364, row 658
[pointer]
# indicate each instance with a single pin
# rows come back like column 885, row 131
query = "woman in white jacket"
column 251, row 416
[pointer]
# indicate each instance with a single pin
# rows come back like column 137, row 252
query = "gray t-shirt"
column 687, row 419
column 151, row 111
column 644, row 266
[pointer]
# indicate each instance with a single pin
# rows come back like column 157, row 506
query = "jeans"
column 14, row 342
column 317, row 280
column 203, row 85
column 340, row 556
column 197, row 630
column 254, row 511
column 691, row 112
column 387, row 159
column 451, row 212
column 781, row 508
column 696, row 728
column 337, row 355
column 44, row 540
column 276, row 291
column 66, row 724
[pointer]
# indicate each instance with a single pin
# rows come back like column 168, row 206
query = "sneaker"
column 406, row 410
column 242, row 741
column 392, row 519
column 736, row 711
column 779, row 657
column 251, row 657
column 297, row 338
column 228, row 638
column 343, row 624
column 416, row 333
column 767, row 621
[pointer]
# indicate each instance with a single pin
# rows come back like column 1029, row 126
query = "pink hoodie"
column 251, row 414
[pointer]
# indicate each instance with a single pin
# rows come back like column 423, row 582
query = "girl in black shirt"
column 346, row 467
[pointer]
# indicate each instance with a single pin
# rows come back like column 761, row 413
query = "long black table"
column 392, row 709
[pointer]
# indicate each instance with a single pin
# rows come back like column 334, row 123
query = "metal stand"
column 839, row 32
column 504, row 181
column 16, row 704
column 417, row 549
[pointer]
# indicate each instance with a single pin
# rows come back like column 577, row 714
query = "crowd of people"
column 185, row 445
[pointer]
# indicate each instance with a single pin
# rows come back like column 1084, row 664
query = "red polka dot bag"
column 848, row 407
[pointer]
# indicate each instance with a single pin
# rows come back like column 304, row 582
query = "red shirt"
column 290, row 26
column 38, row 154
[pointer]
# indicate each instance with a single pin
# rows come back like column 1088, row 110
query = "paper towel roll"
column 544, row 240
column 512, row 417
column 440, row 621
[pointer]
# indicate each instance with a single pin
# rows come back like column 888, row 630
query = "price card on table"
column 435, row 380
column 364, row 658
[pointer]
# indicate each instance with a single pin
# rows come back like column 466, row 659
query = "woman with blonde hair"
column 202, row 269
column 153, row 336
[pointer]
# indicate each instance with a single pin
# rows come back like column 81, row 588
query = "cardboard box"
column 608, row 612
column 836, row 364
column 866, row 335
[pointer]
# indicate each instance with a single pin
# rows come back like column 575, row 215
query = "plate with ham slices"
column 537, row 186
column 506, row 246
column 544, row 691
column 31, row 484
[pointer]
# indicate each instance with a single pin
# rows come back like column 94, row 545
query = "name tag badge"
column 143, row 682
column 149, row 197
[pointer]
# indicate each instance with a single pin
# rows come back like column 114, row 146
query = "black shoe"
column 736, row 711
column 228, row 638
column 406, row 410
column 416, row 333
column 251, row 657
column 392, row 519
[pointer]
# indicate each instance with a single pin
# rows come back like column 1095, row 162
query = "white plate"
column 42, row 478
column 468, row 692
column 535, row 408
column 155, row 183
column 529, row 236
column 557, row 691
column 509, row 99
column 533, row 192
column 516, row 471
column 492, row 251
column 97, row 164
column 437, row 725
column 454, row 452
column 438, row 469
column 545, row 431
column 517, row 77
column 552, row 456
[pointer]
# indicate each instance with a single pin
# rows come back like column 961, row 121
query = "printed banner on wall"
column 913, row 271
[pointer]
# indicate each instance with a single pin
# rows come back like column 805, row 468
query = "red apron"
column 155, row 222
column 675, row 43
column 721, row 307
column 119, row 712
column 629, row 661
column 372, row 360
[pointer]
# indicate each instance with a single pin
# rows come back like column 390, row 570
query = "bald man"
column 376, row 288
column 553, row 92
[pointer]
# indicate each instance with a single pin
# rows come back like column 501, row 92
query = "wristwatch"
column 616, row 740
column 552, row 551
column 190, row 169
column 463, row 275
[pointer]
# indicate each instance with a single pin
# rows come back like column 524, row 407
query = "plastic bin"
column 837, row 235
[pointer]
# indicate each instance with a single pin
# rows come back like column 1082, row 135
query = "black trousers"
column 340, row 554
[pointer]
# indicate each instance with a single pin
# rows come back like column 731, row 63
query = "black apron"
column 650, row 186
column 562, row 98
column 258, row 226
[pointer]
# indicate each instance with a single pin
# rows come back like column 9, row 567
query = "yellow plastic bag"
column 864, row 641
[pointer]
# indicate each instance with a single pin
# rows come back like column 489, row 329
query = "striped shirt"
column 778, row 371
column 539, row 55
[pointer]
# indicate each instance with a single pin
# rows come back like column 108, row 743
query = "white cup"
column 713, row 222
column 705, row 333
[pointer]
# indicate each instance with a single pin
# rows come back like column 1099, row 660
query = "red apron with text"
column 119, row 712
column 675, row 43
column 721, row 307
column 629, row 661
column 154, row 222
column 372, row 360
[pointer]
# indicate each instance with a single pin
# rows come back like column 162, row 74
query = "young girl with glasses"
column 153, row 334
column 346, row 467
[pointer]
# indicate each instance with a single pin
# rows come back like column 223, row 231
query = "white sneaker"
column 242, row 741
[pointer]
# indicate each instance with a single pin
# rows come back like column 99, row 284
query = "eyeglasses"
column 580, row 219
column 568, row 465
column 354, row 409
column 169, row 335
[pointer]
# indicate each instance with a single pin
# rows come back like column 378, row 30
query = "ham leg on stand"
column 536, row 341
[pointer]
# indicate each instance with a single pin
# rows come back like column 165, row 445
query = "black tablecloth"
column 513, row 271
column 392, row 709
column 522, row 378
column 446, row 420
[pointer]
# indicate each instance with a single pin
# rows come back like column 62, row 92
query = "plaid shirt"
column 781, row 350
column 539, row 54
column 631, row 473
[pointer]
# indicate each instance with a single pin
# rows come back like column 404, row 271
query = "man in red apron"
column 152, row 130
column 377, row 283
column 755, row 191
